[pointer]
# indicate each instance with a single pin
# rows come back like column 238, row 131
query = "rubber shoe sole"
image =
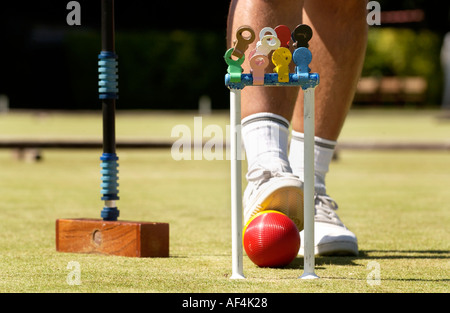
column 329, row 241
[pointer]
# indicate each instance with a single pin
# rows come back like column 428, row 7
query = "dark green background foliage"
column 171, row 55
column 405, row 52
column 172, row 70
column 157, row 69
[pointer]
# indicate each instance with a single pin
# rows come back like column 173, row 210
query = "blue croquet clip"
column 107, row 75
column 302, row 57
column 109, row 184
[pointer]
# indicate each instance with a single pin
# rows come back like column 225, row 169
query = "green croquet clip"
column 234, row 66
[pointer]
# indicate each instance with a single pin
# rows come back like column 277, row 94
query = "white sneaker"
column 331, row 237
column 274, row 190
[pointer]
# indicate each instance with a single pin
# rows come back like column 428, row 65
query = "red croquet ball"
column 271, row 239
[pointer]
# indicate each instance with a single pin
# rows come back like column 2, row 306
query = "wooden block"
column 123, row 238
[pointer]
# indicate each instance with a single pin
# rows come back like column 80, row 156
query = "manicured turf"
column 396, row 203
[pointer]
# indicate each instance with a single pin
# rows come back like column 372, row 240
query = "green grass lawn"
column 361, row 125
column 397, row 203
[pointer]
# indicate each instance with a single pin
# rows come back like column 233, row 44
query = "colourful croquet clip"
column 240, row 46
column 241, row 43
column 284, row 34
column 234, row 66
column 302, row 57
column 258, row 64
column 301, row 35
column 267, row 44
column 281, row 58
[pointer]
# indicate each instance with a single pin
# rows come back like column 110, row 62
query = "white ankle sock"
column 323, row 154
column 265, row 138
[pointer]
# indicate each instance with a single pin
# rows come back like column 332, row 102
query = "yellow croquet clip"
column 281, row 58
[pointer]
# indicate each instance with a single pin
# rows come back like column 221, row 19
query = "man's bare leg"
column 338, row 47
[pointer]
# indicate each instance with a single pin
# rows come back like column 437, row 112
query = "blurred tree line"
column 169, row 69
column 170, row 54
column 410, row 49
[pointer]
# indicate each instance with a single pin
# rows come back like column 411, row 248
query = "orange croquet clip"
column 281, row 59
column 258, row 64
column 242, row 42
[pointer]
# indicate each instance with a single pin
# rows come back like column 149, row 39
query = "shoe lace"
column 325, row 210
column 260, row 175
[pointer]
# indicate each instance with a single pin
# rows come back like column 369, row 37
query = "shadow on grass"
column 372, row 255
column 323, row 261
column 404, row 254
